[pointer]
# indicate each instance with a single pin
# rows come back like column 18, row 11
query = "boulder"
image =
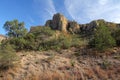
column 48, row 23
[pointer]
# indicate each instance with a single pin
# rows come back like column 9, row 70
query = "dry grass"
column 60, row 67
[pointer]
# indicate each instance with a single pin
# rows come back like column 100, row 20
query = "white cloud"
column 87, row 10
column 44, row 8
column 103, row 2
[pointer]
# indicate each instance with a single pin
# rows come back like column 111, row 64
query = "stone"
column 48, row 23
column 73, row 27
column 59, row 22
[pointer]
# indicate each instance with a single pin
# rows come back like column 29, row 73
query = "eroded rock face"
column 92, row 25
column 59, row 22
column 48, row 23
column 73, row 27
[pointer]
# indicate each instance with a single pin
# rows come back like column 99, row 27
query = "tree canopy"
column 15, row 28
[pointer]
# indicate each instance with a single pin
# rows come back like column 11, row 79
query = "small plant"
column 106, row 64
column 66, row 43
column 37, row 61
column 72, row 62
column 50, row 58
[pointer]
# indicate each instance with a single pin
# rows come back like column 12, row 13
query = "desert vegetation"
column 49, row 53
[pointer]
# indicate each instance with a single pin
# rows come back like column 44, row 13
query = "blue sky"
column 36, row 12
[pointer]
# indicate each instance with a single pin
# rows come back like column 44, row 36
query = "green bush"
column 116, row 35
column 22, row 43
column 102, row 39
column 62, row 42
column 49, row 44
column 77, row 41
column 39, row 30
column 19, row 43
column 43, row 38
column 65, row 41
column 8, row 57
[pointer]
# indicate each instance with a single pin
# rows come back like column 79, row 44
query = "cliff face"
column 59, row 22
column 73, row 27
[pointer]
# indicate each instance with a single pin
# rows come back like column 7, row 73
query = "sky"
column 36, row 12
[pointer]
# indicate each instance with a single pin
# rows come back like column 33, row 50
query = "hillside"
column 62, row 50
column 2, row 38
column 64, row 65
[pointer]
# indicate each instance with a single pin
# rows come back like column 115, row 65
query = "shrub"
column 102, row 39
column 7, row 57
column 62, row 42
column 43, row 38
column 116, row 35
column 105, row 64
column 19, row 43
column 77, row 41
column 31, row 44
column 42, row 30
column 22, row 43
column 65, row 41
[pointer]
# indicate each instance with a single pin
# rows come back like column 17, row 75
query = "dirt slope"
column 63, row 65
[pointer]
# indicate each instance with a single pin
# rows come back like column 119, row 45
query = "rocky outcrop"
column 59, row 22
column 93, row 24
column 73, row 27
column 49, row 23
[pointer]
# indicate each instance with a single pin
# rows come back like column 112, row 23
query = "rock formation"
column 93, row 24
column 73, row 27
column 49, row 23
column 59, row 22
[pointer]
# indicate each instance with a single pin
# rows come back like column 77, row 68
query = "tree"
column 116, row 35
column 102, row 38
column 15, row 28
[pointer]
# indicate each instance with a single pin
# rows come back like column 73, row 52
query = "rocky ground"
column 70, row 64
